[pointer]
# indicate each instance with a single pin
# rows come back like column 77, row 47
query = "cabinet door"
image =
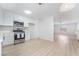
column 8, row 38
column 1, row 17
column 0, row 48
column 8, row 19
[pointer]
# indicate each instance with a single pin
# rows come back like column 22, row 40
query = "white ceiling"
column 71, row 15
column 44, row 10
column 38, row 11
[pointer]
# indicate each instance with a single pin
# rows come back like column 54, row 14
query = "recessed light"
column 28, row 12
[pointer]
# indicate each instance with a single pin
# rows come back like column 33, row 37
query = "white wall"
column 46, row 28
column 34, row 29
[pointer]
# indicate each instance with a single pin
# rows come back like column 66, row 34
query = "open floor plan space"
column 39, row 29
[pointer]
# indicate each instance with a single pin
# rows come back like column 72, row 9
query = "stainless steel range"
column 19, row 33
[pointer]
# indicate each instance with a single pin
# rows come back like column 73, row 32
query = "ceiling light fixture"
column 39, row 3
column 28, row 12
column 67, row 6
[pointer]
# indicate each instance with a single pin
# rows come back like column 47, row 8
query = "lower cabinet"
column 8, row 38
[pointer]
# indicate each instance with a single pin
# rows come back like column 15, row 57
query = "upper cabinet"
column 78, row 26
column 1, row 17
column 8, row 19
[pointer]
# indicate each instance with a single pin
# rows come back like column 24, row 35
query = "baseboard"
column 46, row 39
column 7, row 45
column 42, row 38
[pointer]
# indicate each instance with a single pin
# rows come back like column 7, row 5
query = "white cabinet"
column 8, row 38
column 1, row 40
column 77, row 26
column 8, row 19
column 1, row 17
column 27, row 35
column 77, row 36
column 0, row 47
column 77, row 32
column 26, row 24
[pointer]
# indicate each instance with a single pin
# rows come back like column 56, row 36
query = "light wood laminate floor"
column 39, row 47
